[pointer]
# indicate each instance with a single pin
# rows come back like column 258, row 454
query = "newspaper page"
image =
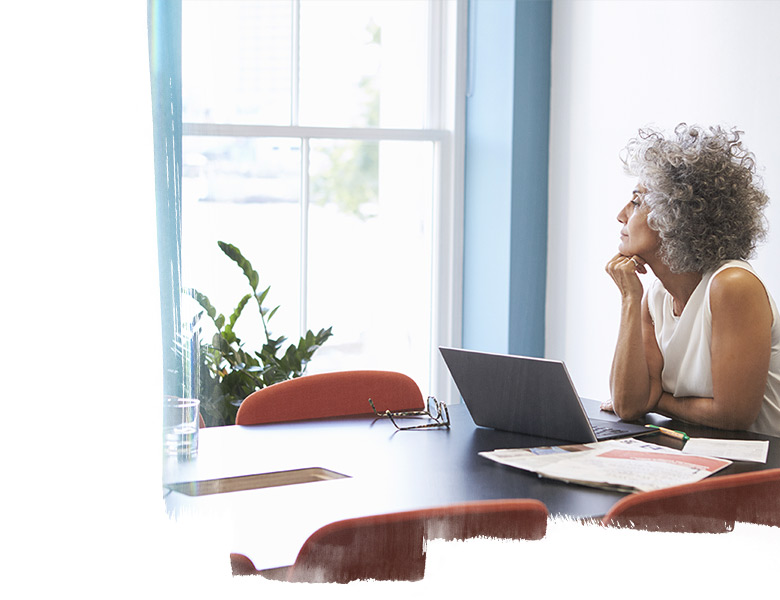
column 629, row 465
column 748, row 450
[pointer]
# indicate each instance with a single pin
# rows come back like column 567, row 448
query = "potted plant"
column 224, row 372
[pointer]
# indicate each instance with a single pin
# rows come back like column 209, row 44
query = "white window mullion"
column 304, row 248
column 335, row 133
column 433, row 113
column 295, row 70
column 295, row 67
column 448, row 27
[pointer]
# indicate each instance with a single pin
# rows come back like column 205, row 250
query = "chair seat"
column 392, row 546
column 712, row 505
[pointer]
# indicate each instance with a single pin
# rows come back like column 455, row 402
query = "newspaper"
column 748, row 450
column 628, row 465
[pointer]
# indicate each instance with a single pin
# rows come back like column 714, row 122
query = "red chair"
column 330, row 395
column 392, row 546
column 712, row 505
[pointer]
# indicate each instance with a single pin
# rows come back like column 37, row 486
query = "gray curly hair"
column 703, row 197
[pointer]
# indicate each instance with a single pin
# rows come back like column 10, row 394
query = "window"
column 321, row 137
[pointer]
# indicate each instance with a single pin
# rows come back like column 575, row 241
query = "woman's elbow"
column 741, row 420
column 743, row 424
column 627, row 412
column 738, row 411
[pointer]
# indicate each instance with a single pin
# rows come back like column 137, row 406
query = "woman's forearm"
column 704, row 411
column 629, row 376
column 632, row 381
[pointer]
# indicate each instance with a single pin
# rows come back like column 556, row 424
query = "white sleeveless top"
column 685, row 346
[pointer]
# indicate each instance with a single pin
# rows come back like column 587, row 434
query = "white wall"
column 617, row 66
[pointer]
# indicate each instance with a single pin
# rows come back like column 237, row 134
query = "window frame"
column 445, row 129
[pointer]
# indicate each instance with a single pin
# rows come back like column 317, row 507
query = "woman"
column 703, row 344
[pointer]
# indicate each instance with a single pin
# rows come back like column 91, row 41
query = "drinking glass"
column 180, row 426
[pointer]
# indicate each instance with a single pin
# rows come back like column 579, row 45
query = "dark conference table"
column 385, row 471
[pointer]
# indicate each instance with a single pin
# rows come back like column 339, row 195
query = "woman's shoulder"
column 735, row 283
column 734, row 275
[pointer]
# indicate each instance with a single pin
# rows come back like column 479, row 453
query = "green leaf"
column 236, row 314
column 229, row 335
column 271, row 314
column 261, row 296
column 205, row 303
column 273, row 346
column 221, row 344
column 235, row 255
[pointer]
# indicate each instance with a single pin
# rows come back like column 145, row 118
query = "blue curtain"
column 164, row 24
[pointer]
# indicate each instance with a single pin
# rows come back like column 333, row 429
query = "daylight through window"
column 320, row 138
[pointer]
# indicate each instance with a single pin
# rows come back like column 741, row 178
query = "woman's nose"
column 621, row 216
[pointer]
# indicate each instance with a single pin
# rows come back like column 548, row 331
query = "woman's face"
column 636, row 237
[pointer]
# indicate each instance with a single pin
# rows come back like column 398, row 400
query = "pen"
column 680, row 435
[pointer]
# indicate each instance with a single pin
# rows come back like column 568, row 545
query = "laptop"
column 534, row 396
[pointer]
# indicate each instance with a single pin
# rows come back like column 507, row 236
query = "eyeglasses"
column 439, row 415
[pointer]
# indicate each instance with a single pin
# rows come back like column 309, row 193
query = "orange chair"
column 712, row 505
column 392, row 546
column 330, row 395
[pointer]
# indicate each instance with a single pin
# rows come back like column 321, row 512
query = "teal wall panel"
column 505, row 210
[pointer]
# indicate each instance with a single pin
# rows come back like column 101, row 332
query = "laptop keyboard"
column 606, row 430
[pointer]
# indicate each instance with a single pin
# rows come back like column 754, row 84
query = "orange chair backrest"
column 392, row 546
column 712, row 505
column 330, row 395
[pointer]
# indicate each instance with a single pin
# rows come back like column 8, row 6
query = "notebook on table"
column 534, row 396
